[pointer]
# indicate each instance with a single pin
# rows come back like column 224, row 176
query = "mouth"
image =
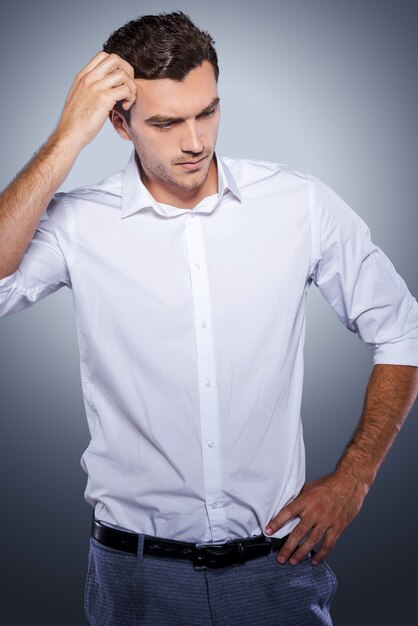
column 193, row 165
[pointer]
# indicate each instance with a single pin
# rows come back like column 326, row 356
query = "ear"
column 119, row 123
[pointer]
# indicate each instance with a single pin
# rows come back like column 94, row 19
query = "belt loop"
column 140, row 549
column 241, row 552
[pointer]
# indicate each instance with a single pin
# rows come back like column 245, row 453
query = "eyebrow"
column 164, row 119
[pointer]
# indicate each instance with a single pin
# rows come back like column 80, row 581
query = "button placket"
column 208, row 397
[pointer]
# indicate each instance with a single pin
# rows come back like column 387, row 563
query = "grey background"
column 327, row 87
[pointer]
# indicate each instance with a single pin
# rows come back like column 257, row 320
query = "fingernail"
column 269, row 530
column 281, row 559
column 314, row 562
column 293, row 562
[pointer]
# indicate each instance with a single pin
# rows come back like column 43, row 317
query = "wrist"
column 357, row 470
column 66, row 142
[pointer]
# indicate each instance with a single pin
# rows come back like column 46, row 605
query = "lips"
column 191, row 162
column 192, row 165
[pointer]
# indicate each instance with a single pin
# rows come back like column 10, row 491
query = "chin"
column 192, row 180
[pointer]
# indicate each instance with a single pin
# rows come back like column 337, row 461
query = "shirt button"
column 208, row 383
column 197, row 266
column 215, row 505
column 204, row 324
column 211, row 444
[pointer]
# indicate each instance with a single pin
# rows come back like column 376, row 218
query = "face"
column 173, row 125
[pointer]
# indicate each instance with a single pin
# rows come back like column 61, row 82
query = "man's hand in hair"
column 103, row 82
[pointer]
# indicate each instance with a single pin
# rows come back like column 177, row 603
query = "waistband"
column 210, row 555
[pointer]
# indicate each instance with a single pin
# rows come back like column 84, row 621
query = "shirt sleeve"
column 43, row 268
column 360, row 283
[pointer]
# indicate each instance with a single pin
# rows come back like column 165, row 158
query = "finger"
column 121, row 63
column 326, row 547
column 100, row 56
column 306, row 546
column 109, row 64
column 126, row 104
column 130, row 98
column 123, row 94
column 116, row 78
column 295, row 538
column 287, row 513
column 113, row 99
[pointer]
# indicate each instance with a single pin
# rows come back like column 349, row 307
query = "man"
column 189, row 274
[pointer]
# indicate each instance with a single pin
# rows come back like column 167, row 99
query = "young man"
column 189, row 274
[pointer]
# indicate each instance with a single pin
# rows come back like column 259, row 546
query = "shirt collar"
column 136, row 197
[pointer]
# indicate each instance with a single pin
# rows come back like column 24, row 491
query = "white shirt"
column 191, row 327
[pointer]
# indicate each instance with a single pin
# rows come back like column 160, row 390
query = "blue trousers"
column 125, row 589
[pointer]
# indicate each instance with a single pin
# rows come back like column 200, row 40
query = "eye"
column 208, row 113
column 171, row 124
column 164, row 126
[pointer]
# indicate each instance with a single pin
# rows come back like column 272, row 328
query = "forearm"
column 25, row 199
column 327, row 505
column 107, row 79
column 390, row 395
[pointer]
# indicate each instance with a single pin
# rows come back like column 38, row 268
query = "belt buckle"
column 205, row 555
column 199, row 557
column 215, row 555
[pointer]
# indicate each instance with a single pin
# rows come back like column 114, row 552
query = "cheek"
column 215, row 126
column 149, row 145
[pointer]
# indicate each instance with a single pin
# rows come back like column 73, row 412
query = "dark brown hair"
column 167, row 45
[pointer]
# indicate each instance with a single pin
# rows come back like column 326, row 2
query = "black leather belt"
column 202, row 555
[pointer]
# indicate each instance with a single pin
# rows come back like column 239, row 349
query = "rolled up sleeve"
column 43, row 268
column 361, row 284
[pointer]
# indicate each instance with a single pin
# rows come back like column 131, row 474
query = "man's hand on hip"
column 325, row 507
column 96, row 89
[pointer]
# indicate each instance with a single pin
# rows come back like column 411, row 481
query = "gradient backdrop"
column 326, row 86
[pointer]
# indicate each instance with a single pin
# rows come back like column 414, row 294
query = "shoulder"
column 256, row 172
column 89, row 200
column 107, row 191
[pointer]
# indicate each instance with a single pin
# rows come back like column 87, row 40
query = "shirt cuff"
column 402, row 352
column 5, row 284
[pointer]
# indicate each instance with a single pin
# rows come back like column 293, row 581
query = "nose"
column 191, row 140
